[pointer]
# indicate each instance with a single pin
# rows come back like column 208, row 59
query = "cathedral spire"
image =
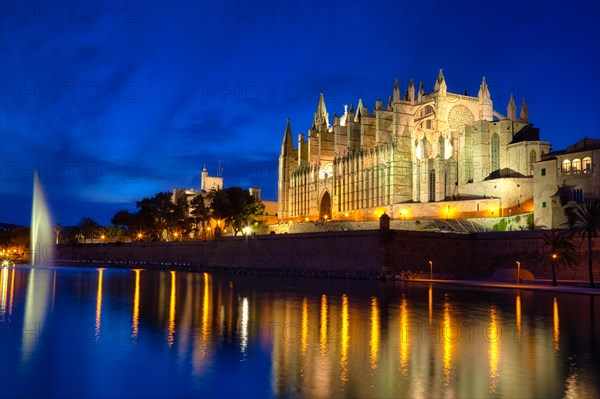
column 511, row 110
column 411, row 91
column 321, row 116
column 484, row 93
column 287, row 146
column 440, row 84
column 359, row 110
column 389, row 105
column 396, row 91
column 524, row 111
column 421, row 92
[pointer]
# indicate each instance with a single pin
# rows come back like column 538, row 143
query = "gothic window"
column 532, row 160
column 442, row 147
column 566, row 166
column 495, row 152
column 432, row 185
column 576, row 165
column 587, row 165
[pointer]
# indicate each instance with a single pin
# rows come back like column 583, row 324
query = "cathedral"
column 421, row 155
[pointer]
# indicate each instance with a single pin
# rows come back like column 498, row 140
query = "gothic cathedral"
column 422, row 151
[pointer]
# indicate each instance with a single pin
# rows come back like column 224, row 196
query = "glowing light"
column 346, row 214
column 171, row 336
column 206, row 301
column 374, row 338
column 245, row 318
column 246, row 230
column 102, row 237
column 404, row 343
column 99, row 303
column 494, row 352
column 345, row 340
column 3, row 291
column 447, row 340
column 304, row 328
column 556, row 325
column 306, row 219
column 518, row 315
column 430, row 304
column 323, row 329
column 554, row 256
column 136, row 305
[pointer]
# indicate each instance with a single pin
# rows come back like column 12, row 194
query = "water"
column 41, row 225
column 73, row 332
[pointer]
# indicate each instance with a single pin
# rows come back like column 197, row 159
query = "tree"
column 584, row 220
column 562, row 249
column 88, row 227
column 200, row 212
column 236, row 206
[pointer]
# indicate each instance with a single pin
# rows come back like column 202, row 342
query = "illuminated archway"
column 325, row 208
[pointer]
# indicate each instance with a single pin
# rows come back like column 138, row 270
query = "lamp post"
column 518, row 272
column 430, row 270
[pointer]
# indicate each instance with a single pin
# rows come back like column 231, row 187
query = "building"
column 423, row 155
column 563, row 178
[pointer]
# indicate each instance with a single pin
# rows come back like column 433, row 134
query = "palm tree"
column 562, row 249
column 584, row 220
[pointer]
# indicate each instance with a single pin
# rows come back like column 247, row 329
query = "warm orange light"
column 554, row 256
column 405, row 212
column 346, row 214
column 175, row 234
column 306, row 219
column 102, row 237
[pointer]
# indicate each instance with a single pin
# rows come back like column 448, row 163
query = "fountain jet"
column 41, row 225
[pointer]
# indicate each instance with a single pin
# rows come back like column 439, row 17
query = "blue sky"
column 116, row 101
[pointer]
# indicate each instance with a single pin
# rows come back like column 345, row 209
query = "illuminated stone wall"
column 343, row 254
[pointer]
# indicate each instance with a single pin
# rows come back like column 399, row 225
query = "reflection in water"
column 430, row 304
column 136, row 305
column 447, row 340
column 285, row 339
column 556, row 325
column 12, row 292
column 304, row 329
column 323, row 329
column 206, row 302
column 99, row 303
column 245, row 318
column 3, row 290
column 494, row 353
column 518, row 316
column 345, row 340
column 404, row 344
column 374, row 341
column 36, row 307
column 171, row 336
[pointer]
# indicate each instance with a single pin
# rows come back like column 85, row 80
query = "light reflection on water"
column 167, row 333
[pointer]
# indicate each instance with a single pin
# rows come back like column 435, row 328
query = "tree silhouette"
column 584, row 220
column 562, row 249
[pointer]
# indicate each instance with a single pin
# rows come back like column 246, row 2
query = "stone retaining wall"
column 357, row 254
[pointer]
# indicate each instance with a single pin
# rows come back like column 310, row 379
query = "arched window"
column 532, row 160
column 432, row 185
column 576, row 165
column 587, row 165
column 566, row 166
column 495, row 152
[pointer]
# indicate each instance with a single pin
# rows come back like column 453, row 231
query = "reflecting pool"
column 84, row 332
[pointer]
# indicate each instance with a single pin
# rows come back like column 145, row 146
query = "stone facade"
column 421, row 148
column 564, row 178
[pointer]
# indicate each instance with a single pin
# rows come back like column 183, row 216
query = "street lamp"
column 431, row 270
column 518, row 272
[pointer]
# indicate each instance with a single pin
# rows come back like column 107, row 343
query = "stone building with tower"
column 425, row 155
